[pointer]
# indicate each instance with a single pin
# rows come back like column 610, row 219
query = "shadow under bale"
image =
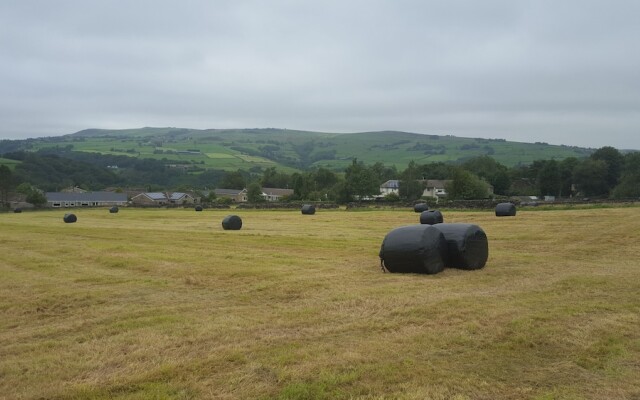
column 308, row 209
column 467, row 244
column 414, row 249
column 69, row 218
column 114, row 210
column 431, row 217
column 420, row 207
column 505, row 210
column 232, row 223
column 198, row 208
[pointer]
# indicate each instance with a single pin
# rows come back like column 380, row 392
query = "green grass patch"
column 164, row 303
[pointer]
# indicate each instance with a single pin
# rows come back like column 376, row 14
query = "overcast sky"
column 561, row 72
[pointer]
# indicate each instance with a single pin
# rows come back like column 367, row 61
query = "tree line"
column 605, row 173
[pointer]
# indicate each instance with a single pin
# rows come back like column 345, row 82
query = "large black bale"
column 505, row 210
column 467, row 244
column 415, row 249
column 308, row 209
column 431, row 217
column 17, row 210
column 232, row 223
column 420, row 207
column 69, row 218
column 198, row 208
column 114, row 210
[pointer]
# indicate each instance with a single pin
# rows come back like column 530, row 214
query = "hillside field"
column 290, row 150
column 164, row 304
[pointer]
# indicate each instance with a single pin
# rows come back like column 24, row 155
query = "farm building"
column 150, row 199
column 182, row 198
column 390, row 186
column 432, row 187
column 238, row 196
column 275, row 194
column 87, row 199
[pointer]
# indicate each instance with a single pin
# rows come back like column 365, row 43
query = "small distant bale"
column 17, row 210
column 414, row 249
column 431, row 217
column 198, row 208
column 114, row 210
column 505, row 210
column 308, row 209
column 468, row 247
column 420, row 207
column 232, row 223
column 69, row 218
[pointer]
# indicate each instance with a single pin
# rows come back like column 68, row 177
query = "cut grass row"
column 165, row 304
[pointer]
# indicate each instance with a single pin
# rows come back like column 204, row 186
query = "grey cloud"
column 558, row 72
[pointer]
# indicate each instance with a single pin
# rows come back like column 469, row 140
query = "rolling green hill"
column 290, row 150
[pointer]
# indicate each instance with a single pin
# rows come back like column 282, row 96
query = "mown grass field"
column 164, row 304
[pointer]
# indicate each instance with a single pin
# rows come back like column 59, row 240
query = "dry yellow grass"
column 164, row 304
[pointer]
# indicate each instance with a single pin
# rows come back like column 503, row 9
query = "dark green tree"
column 629, row 185
column 466, row 186
column 590, row 177
column 614, row 160
column 549, row 180
column 488, row 169
column 233, row 180
column 6, row 183
column 410, row 187
column 566, row 168
column 437, row 170
column 271, row 178
column 361, row 181
column 36, row 198
column 254, row 193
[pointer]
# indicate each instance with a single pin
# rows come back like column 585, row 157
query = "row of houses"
column 80, row 198
column 432, row 187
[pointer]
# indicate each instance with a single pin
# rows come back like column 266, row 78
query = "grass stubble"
column 164, row 304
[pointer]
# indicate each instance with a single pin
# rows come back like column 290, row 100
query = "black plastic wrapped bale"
column 506, row 210
column 420, row 207
column 232, row 223
column 114, row 210
column 198, row 208
column 414, row 249
column 17, row 210
column 431, row 217
column 69, row 218
column 467, row 244
column 308, row 209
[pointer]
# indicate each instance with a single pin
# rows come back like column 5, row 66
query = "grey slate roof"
column 391, row 184
column 88, row 196
column 177, row 195
column 156, row 196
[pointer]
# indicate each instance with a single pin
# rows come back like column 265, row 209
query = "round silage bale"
column 232, row 223
column 414, row 249
column 17, row 210
column 198, row 208
column 69, row 218
column 505, row 210
column 114, row 210
column 431, row 217
column 308, row 209
column 467, row 245
column 420, row 207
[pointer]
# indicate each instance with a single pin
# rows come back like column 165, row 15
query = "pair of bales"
column 502, row 210
column 71, row 218
column 433, row 245
column 234, row 222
